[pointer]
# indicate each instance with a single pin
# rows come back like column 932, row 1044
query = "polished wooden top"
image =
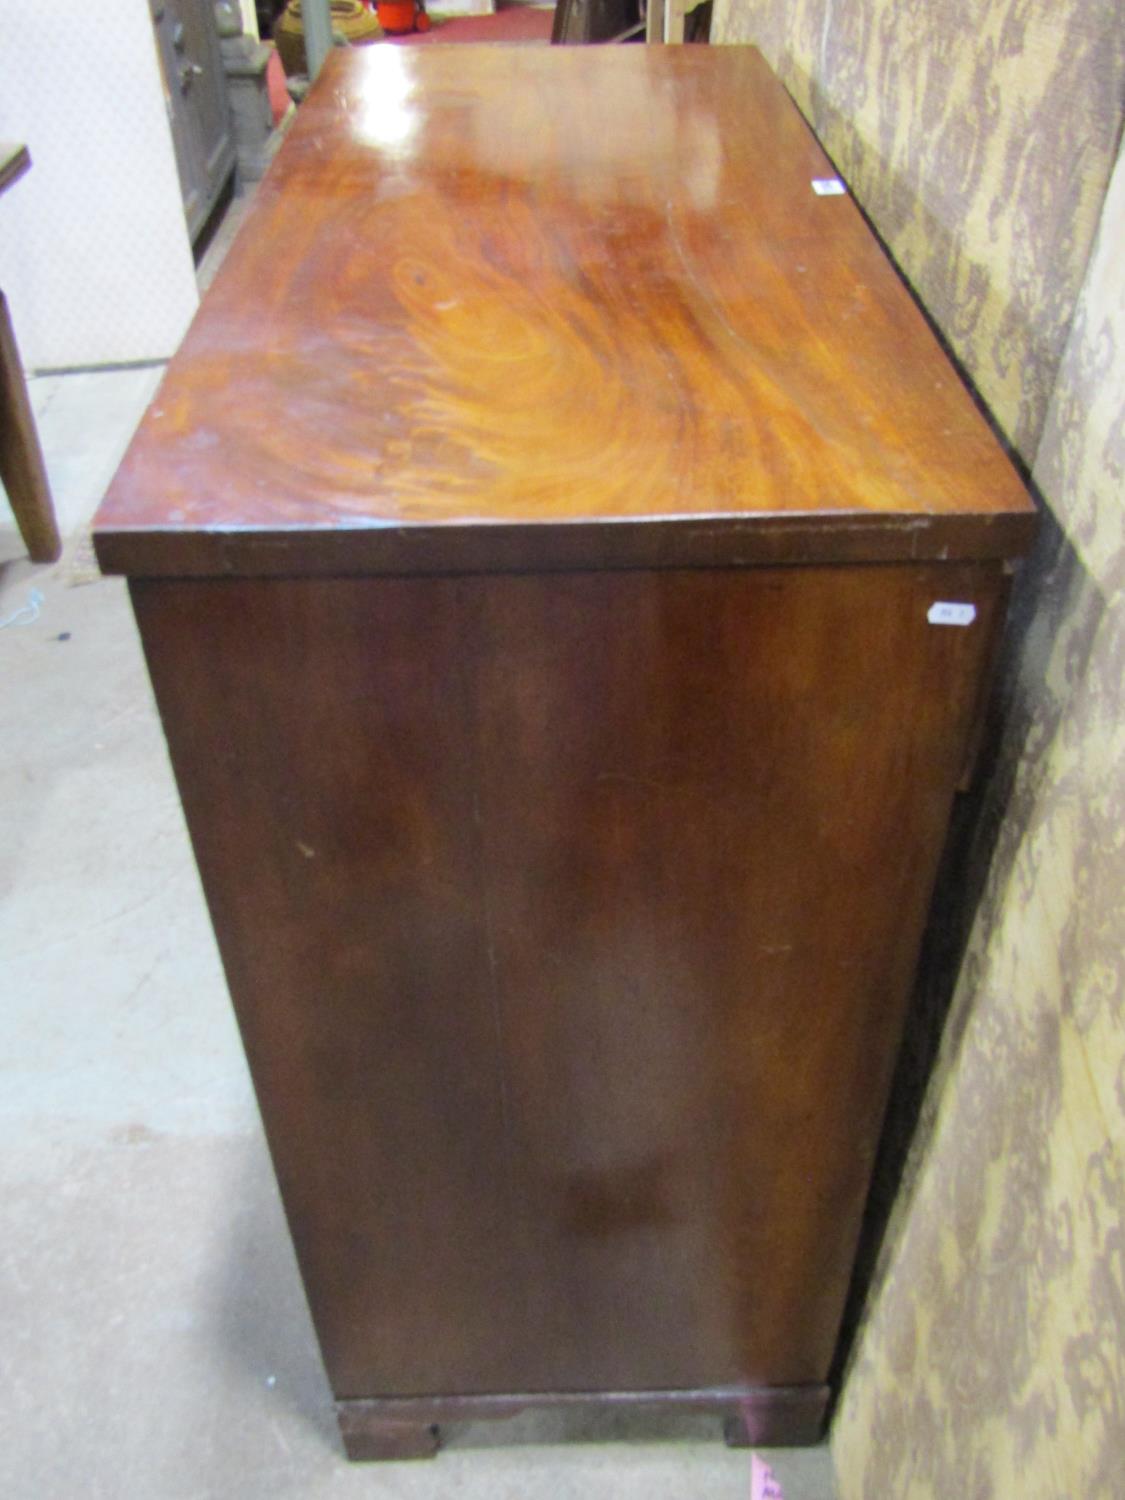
column 555, row 307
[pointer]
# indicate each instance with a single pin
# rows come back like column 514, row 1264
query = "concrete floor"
column 154, row 1339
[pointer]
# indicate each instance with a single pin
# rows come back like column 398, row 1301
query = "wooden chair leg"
column 21, row 459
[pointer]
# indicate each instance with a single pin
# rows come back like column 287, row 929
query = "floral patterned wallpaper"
column 981, row 138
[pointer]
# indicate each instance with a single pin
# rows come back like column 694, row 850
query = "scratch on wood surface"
column 660, row 786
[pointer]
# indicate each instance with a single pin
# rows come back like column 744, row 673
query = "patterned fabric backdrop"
column 993, row 1364
column 980, row 135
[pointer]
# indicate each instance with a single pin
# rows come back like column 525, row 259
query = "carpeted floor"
column 523, row 23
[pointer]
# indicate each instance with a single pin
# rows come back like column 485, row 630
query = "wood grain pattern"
column 555, row 292
column 570, row 920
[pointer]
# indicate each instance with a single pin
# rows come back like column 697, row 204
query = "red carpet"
column 523, row 23
column 275, row 83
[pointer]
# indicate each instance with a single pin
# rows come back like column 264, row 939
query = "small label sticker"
column 946, row 613
column 828, row 187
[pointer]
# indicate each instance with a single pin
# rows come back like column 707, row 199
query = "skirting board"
column 398, row 1427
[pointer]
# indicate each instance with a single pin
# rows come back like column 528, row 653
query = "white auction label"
column 943, row 612
column 828, row 187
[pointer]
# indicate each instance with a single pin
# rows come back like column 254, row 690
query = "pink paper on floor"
column 763, row 1483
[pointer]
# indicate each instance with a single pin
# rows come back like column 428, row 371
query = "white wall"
column 94, row 253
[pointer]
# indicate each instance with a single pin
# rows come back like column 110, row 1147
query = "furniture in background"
column 519, row 24
column 268, row 11
column 246, row 63
column 349, row 19
column 628, row 21
column 569, row 646
column 597, row 21
column 195, row 93
column 666, row 20
column 22, row 470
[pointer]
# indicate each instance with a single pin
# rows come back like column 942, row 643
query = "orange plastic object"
column 396, row 16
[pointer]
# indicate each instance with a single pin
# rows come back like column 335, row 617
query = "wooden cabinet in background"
column 569, row 644
column 195, row 91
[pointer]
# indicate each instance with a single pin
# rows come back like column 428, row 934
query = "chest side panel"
column 570, row 921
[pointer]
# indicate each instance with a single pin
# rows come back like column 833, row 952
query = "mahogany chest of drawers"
column 568, row 567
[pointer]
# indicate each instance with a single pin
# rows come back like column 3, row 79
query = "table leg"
column 21, row 459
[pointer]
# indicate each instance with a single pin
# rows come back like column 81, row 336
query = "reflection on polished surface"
column 382, row 115
column 565, row 285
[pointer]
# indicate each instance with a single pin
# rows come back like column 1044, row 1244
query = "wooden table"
column 568, row 568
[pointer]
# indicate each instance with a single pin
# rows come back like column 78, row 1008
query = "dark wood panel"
column 318, row 734
column 712, row 844
column 709, row 542
column 551, row 288
column 569, row 922
column 407, row 1427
